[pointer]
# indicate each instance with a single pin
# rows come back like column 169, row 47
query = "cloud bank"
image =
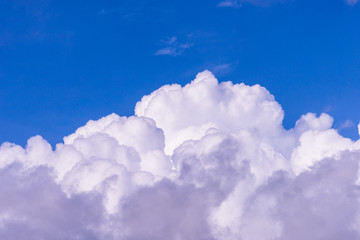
column 208, row 161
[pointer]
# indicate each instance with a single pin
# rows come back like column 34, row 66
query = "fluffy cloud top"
column 207, row 160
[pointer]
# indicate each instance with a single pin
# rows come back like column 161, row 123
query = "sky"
column 63, row 63
column 158, row 120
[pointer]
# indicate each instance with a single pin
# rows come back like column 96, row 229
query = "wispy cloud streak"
column 230, row 3
column 351, row 2
column 173, row 47
column 239, row 3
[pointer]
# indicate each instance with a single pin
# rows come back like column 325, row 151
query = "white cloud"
column 211, row 105
column 207, row 160
column 173, row 47
column 346, row 124
column 222, row 68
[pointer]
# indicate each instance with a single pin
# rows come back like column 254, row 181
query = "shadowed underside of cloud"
column 207, row 160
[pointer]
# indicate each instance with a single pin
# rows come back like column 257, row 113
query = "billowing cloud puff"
column 207, row 160
column 189, row 112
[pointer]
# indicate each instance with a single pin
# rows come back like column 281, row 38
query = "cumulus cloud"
column 207, row 160
column 34, row 207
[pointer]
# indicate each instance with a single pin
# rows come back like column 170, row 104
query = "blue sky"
column 208, row 160
column 64, row 62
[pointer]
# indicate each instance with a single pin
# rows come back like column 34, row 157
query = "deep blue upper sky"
column 65, row 62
